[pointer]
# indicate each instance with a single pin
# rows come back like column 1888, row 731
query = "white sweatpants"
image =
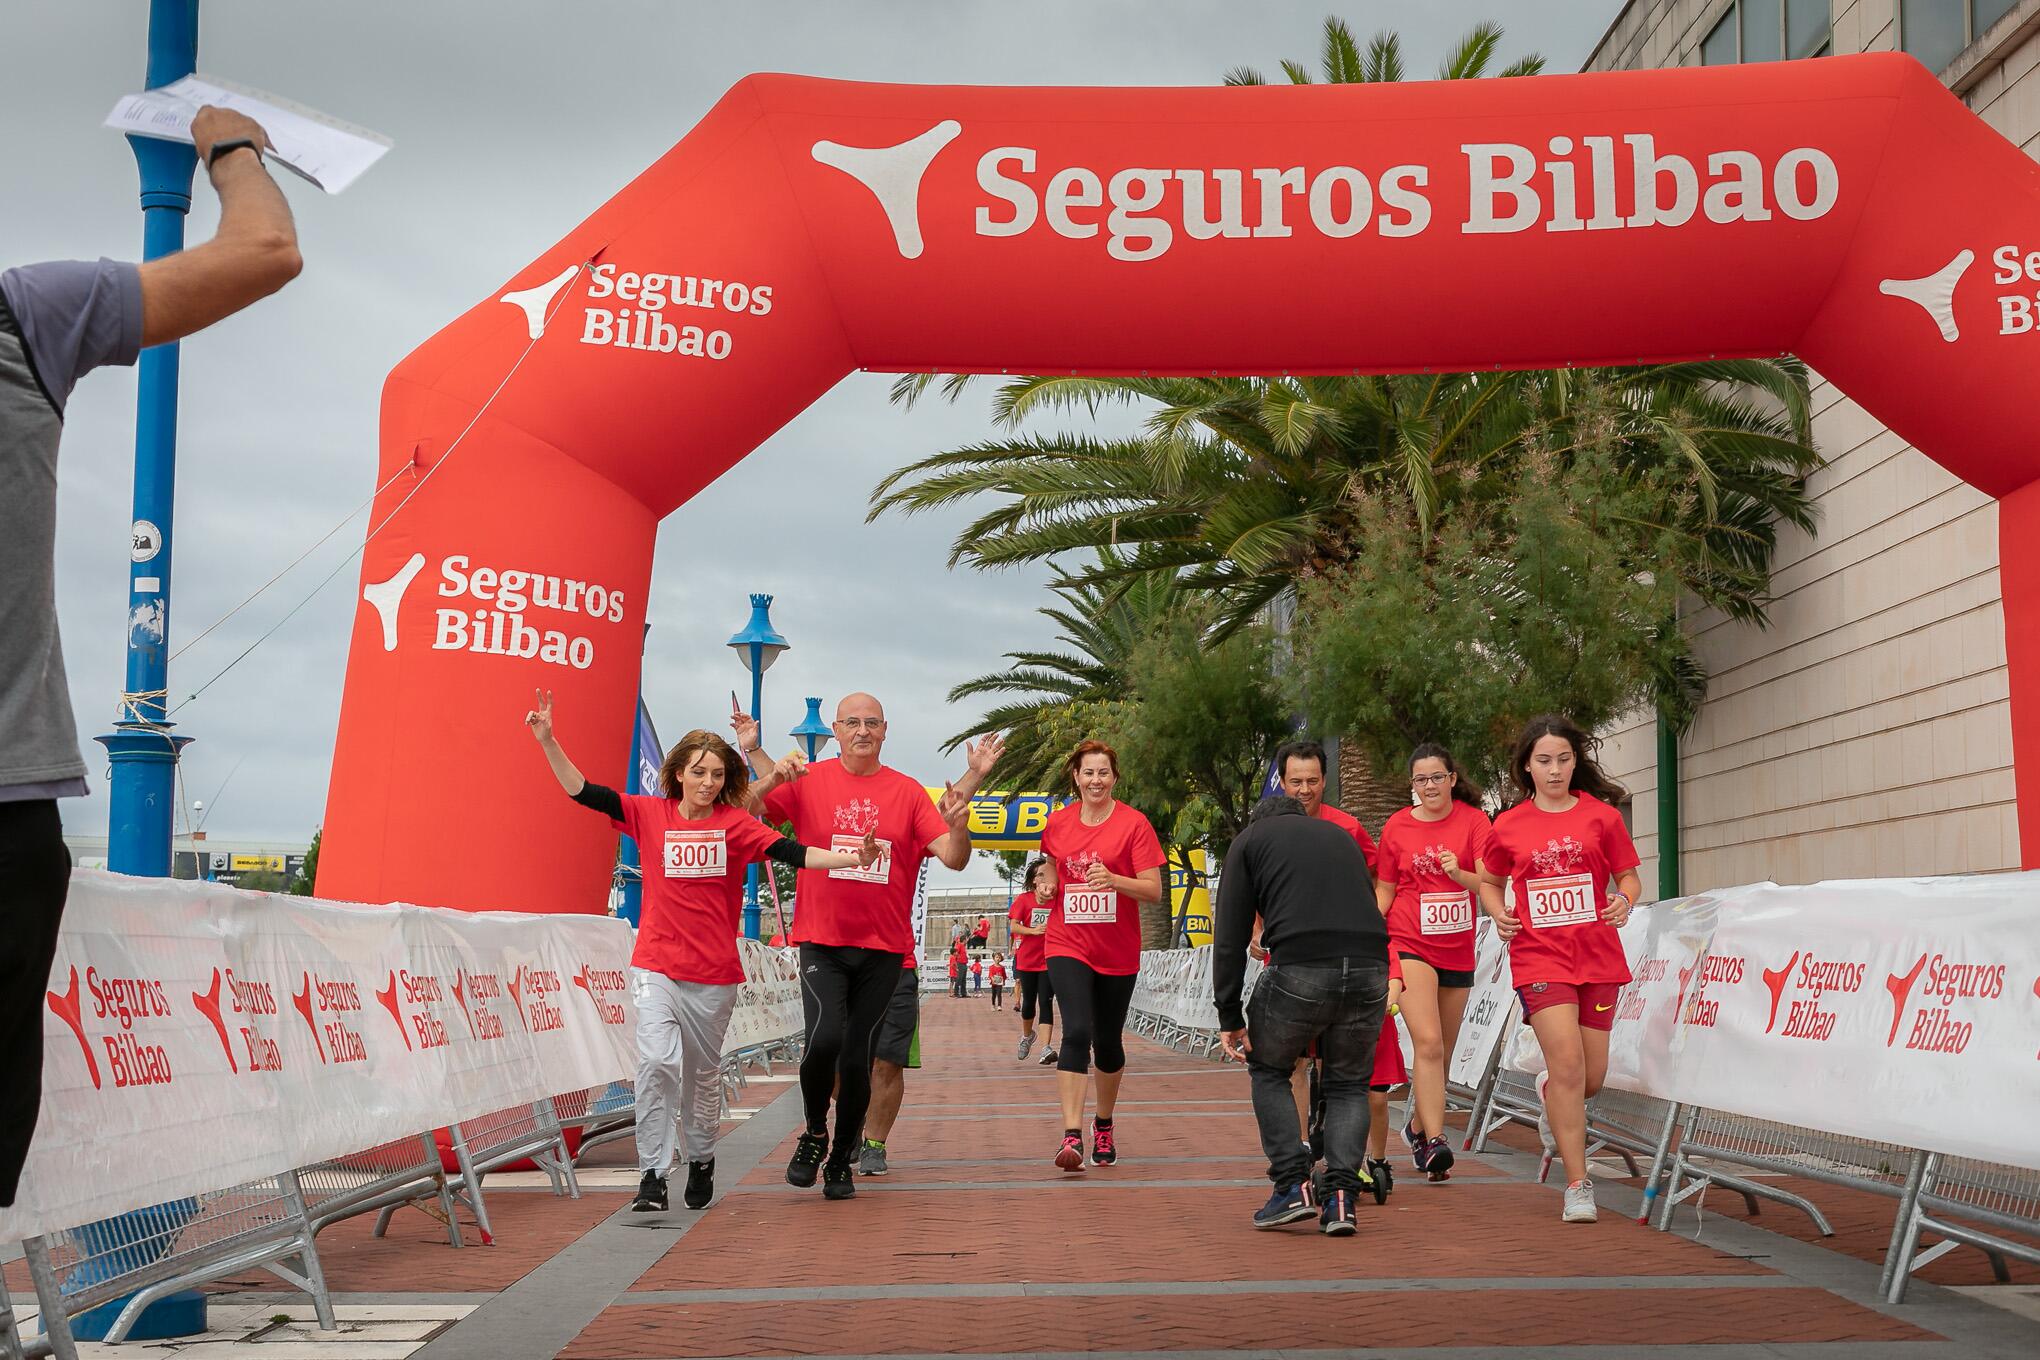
column 680, row 1028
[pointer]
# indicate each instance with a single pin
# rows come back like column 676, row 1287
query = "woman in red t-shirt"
column 1109, row 860
column 1426, row 872
column 1027, row 923
column 694, row 839
column 1575, row 881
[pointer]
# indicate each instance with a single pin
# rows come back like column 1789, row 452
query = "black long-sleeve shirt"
column 607, row 801
column 1308, row 882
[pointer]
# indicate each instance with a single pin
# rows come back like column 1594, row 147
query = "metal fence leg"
column 1898, row 1269
column 1657, row 1162
column 56, row 1324
column 1671, row 1192
column 473, row 1182
column 11, row 1345
column 308, row 1253
column 1908, row 1201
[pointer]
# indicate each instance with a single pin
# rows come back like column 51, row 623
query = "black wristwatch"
column 220, row 149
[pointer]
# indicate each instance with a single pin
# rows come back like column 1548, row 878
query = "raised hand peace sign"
column 540, row 719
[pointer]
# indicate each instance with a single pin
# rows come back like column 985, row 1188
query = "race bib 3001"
column 1090, row 906
column 1563, row 900
column 1444, row 913
column 696, row 854
column 880, row 869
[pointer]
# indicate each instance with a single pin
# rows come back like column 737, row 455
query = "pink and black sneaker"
column 1103, row 1153
column 1070, row 1156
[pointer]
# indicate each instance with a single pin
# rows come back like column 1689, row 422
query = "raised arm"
column 252, row 254
column 540, row 721
column 953, row 847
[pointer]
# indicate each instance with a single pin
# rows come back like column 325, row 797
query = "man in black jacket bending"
column 1326, row 981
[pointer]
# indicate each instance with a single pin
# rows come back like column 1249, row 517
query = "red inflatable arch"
column 1848, row 209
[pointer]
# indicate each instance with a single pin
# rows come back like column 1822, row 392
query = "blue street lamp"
column 757, row 646
column 141, row 748
column 812, row 734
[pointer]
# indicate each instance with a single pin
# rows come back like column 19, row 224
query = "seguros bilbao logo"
column 503, row 610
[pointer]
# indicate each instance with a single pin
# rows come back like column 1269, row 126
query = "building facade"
column 1866, row 732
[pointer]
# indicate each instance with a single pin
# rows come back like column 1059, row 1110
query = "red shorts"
column 1596, row 1000
column 1388, row 1064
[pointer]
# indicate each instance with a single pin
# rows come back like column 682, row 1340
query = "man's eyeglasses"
column 868, row 724
column 1425, row 781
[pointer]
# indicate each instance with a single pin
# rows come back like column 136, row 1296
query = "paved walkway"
column 976, row 1245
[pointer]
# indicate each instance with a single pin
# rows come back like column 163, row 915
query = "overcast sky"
column 512, row 122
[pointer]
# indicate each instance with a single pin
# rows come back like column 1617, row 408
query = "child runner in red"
column 1109, row 861
column 1027, row 922
column 1426, row 874
column 1389, row 1072
column 1575, row 881
column 695, row 839
column 997, row 974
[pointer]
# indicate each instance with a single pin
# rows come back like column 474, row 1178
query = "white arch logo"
column 893, row 174
column 1934, row 293
column 386, row 596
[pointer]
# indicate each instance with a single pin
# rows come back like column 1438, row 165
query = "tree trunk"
column 1366, row 795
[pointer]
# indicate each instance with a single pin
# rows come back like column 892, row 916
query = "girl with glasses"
column 1427, row 871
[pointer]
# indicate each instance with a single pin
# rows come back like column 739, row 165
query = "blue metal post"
column 629, row 870
column 141, row 747
column 752, row 910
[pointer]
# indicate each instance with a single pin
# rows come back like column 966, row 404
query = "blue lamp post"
column 757, row 646
column 812, row 734
column 141, row 748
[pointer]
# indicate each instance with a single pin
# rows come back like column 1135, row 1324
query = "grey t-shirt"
column 68, row 317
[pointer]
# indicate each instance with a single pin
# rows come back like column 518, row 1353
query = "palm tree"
column 1345, row 64
column 1101, row 630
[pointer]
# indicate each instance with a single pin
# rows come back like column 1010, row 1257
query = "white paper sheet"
column 323, row 150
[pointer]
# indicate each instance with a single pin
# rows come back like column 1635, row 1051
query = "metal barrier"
column 407, row 1171
column 1947, row 1188
column 603, row 1114
column 12, row 1345
column 1720, row 1139
column 154, row 1252
column 495, row 1140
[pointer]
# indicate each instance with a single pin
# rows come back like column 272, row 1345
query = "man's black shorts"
column 895, row 1042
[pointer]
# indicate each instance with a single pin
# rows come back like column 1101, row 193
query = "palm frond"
column 1244, row 75
column 1341, row 54
column 1468, row 61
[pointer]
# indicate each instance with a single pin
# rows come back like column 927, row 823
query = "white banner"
column 1903, row 1011
column 198, row 1036
column 1490, row 1009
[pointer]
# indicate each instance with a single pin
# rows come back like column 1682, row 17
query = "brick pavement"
column 976, row 1245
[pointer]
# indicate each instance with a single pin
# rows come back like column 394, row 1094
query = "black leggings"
column 844, row 992
column 1034, row 983
column 35, row 875
column 1094, row 1015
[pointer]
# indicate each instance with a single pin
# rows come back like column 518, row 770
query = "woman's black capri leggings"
column 1094, row 1008
column 1034, row 984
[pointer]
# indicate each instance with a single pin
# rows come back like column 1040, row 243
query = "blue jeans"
column 1338, row 1004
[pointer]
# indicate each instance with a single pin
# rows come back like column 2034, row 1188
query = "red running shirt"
column 1098, row 927
column 693, row 885
column 1350, row 825
column 1432, row 917
column 1562, row 864
column 831, row 808
column 1030, row 951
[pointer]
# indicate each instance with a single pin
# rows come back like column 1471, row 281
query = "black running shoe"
column 651, row 1195
column 837, row 1182
column 807, row 1159
column 1048, row 1058
column 1438, row 1160
column 700, row 1184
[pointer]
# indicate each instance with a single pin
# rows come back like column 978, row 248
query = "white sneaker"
column 1026, row 1042
column 1579, row 1204
column 1544, row 1137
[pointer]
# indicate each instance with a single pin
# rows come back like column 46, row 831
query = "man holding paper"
column 58, row 321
